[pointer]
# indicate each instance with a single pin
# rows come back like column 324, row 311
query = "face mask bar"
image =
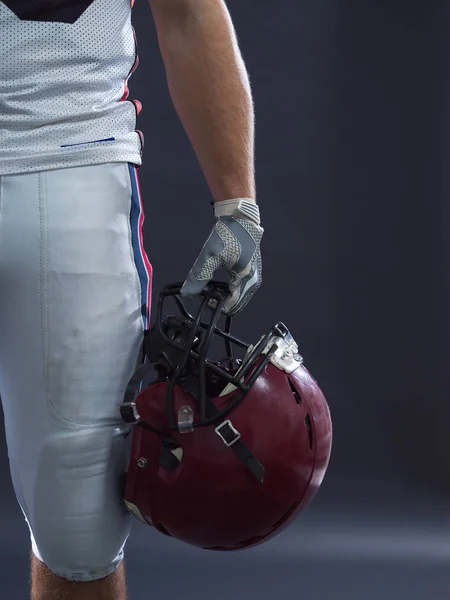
column 213, row 298
column 254, row 362
column 277, row 346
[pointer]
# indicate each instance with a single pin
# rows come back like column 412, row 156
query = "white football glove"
column 234, row 245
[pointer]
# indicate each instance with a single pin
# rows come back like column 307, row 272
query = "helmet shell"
column 211, row 499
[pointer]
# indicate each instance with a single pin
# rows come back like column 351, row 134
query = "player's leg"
column 74, row 289
column 47, row 586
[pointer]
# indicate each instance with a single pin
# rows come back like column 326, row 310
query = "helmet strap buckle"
column 228, row 433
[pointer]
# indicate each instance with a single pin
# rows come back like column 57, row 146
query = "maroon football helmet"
column 225, row 453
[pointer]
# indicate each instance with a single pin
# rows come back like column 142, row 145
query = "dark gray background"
column 353, row 105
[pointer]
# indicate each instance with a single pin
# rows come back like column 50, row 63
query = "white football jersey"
column 64, row 71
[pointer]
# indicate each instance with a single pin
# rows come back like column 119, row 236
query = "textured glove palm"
column 234, row 245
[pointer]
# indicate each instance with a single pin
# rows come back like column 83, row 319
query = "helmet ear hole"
column 299, row 401
column 309, row 428
column 295, row 392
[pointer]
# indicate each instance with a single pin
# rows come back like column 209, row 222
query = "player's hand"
column 234, row 245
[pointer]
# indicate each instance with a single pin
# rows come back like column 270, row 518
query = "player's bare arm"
column 210, row 89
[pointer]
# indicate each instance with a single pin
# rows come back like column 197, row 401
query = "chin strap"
column 169, row 459
column 232, row 439
column 229, row 435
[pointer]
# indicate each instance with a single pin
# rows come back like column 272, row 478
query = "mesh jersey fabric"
column 64, row 71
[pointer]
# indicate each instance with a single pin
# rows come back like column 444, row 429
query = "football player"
column 75, row 281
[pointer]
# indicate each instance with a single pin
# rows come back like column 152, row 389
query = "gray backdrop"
column 353, row 105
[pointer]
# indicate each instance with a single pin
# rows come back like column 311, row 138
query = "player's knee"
column 74, row 563
column 81, row 551
column 78, row 516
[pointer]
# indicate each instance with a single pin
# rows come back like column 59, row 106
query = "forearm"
column 210, row 89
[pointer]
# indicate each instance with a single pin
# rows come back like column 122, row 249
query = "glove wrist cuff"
column 245, row 208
